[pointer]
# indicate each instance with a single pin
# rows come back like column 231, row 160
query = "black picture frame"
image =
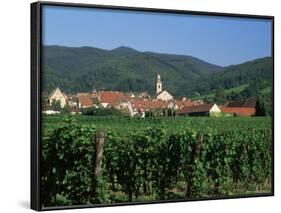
column 36, row 101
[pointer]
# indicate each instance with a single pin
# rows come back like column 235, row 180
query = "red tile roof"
column 148, row 104
column 111, row 97
column 85, row 101
column 194, row 109
column 184, row 103
column 241, row 111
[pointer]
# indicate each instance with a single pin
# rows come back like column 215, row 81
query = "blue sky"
column 218, row 40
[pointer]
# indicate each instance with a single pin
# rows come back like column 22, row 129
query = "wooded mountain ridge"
column 82, row 69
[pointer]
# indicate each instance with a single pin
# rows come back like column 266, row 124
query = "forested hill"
column 85, row 68
column 254, row 76
column 123, row 68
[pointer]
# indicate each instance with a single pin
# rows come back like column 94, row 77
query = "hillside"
column 123, row 68
column 86, row 68
column 211, row 95
column 252, row 77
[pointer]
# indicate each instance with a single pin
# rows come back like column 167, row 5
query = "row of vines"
column 153, row 162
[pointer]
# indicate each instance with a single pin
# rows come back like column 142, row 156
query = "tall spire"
column 158, row 84
column 158, row 77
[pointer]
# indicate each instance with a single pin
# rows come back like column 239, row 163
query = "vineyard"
column 153, row 159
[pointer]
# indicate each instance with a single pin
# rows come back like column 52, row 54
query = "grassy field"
column 121, row 124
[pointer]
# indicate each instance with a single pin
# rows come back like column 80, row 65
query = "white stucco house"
column 165, row 96
column 57, row 95
column 160, row 93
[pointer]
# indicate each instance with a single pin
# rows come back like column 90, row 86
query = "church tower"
column 158, row 84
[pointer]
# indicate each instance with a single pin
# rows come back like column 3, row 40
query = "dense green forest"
column 82, row 69
column 254, row 76
column 126, row 69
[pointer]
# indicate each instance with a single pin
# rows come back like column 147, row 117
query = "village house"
column 85, row 101
column 238, row 111
column 72, row 101
column 240, row 108
column 233, row 108
column 200, row 110
column 185, row 102
column 165, row 96
column 111, row 98
column 142, row 105
column 160, row 93
column 57, row 95
column 139, row 105
column 126, row 102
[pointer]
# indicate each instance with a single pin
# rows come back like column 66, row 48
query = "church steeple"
column 158, row 84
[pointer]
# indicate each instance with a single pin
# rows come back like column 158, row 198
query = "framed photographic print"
column 141, row 105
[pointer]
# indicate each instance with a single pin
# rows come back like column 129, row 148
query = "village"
column 143, row 105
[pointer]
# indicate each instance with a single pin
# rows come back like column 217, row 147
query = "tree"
column 66, row 109
column 56, row 105
column 264, row 105
column 219, row 97
column 44, row 99
column 234, row 97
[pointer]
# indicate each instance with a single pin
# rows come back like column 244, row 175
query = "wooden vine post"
column 198, row 147
column 196, row 156
column 99, row 154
